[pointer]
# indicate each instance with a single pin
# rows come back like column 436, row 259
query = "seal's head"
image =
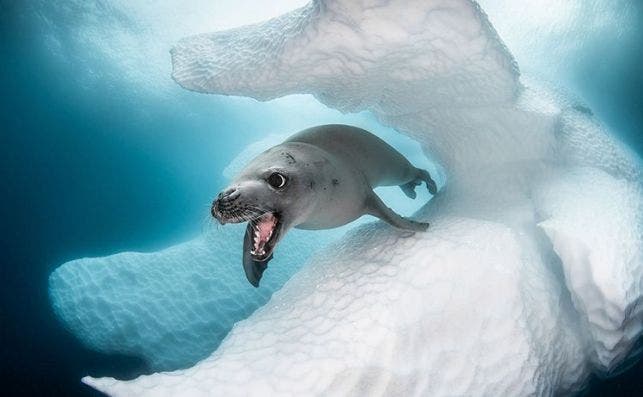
column 273, row 193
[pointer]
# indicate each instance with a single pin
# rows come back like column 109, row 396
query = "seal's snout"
column 224, row 203
column 214, row 210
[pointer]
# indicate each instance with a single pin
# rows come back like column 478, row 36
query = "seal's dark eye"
column 277, row 180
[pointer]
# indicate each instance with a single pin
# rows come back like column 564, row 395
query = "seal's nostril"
column 228, row 194
column 223, row 204
column 233, row 194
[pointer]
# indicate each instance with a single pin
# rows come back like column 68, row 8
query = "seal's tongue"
column 263, row 229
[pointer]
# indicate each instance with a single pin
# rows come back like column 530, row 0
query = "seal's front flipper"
column 376, row 207
column 254, row 269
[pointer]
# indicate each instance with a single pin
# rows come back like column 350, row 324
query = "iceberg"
column 529, row 280
column 167, row 309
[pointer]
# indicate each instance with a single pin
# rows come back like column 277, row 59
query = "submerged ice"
column 529, row 279
column 172, row 307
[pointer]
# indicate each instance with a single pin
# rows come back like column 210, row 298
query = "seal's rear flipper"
column 422, row 176
column 376, row 207
column 430, row 183
column 254, row 269
column 409, row 188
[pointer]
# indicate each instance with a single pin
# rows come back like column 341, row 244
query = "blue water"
column 92, row 164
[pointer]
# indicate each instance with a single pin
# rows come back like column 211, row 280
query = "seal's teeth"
column 256, row 243
column 256, row 251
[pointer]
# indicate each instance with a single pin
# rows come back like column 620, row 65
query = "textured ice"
column 396, row 317
column 171, row 307
column 530, row 276
column 360, row 63
column 594, row 223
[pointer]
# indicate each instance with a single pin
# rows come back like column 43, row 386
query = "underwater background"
column 102, row 152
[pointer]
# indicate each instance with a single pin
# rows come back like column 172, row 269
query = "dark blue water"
column 89, row 171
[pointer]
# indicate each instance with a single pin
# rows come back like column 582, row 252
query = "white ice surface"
column 463, row 310
column 528, row 279
column 594, row 223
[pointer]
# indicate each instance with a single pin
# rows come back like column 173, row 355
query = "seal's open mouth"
column 263, row 233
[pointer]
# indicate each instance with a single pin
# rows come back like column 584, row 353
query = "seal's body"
column 319, row 178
